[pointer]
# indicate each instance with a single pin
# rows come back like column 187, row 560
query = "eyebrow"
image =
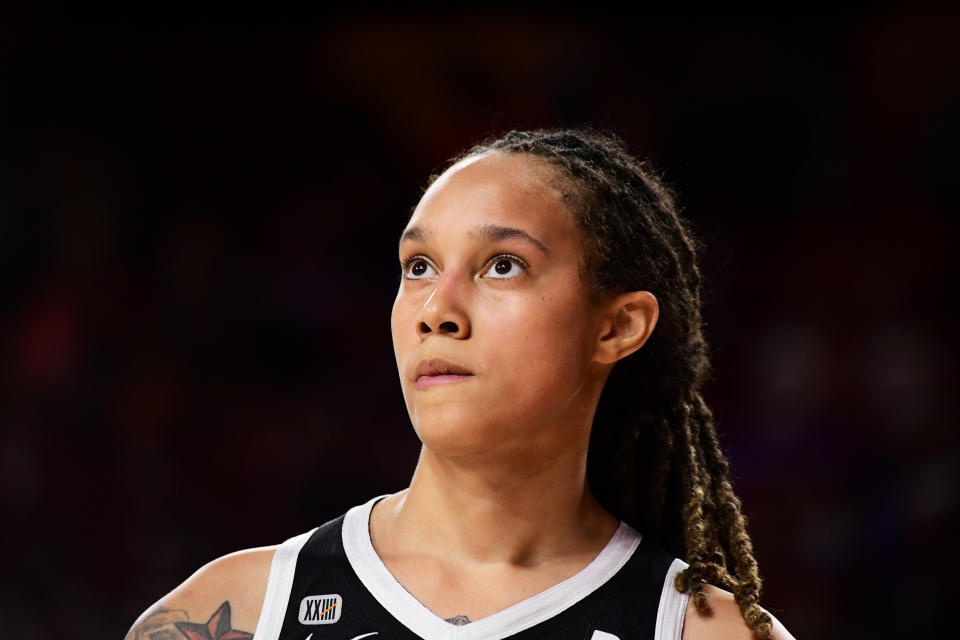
column 481, row 233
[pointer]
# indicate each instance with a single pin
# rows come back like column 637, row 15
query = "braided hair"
column 654, row 459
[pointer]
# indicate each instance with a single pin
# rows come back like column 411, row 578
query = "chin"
column 452, row 434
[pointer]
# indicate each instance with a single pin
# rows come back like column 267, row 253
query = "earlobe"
column 628, row 322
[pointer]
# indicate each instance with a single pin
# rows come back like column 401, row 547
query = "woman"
column 547, row 332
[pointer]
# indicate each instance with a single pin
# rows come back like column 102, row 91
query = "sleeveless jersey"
column 329, row 584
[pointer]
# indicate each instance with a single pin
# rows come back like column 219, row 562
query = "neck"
column 521, row 514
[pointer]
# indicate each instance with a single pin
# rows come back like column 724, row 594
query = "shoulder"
column 227, row 592
column 724, row 621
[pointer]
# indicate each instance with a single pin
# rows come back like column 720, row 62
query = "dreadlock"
column 654, row 458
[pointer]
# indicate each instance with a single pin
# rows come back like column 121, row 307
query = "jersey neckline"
column 533, row 610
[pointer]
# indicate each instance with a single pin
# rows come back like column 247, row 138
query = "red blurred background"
column 198, row 232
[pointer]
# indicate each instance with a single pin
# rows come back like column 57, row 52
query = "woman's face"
column 490, row 264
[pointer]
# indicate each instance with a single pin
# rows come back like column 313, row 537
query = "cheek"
column 401, row 325
column 404, row 338
column 394, row 322
column 542, row 344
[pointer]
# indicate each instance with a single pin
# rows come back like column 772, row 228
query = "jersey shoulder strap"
column 279, row 584
column 673, row 605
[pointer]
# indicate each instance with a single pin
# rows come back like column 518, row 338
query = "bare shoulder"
column 222, row 596
column 724, row 621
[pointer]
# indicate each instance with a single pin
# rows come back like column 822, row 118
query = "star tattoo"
column 217, row 627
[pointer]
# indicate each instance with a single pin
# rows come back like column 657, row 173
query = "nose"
column 444, row 312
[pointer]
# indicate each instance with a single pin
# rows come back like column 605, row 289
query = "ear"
column 627, row 322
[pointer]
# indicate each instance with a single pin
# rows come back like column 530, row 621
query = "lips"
column 441, row 367
column 439, row 372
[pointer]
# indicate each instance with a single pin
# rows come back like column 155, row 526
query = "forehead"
column 514, row 190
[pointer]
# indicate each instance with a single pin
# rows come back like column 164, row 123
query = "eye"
column 416, row 268
column 504, row 267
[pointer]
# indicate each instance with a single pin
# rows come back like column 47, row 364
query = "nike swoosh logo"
column 366, row 635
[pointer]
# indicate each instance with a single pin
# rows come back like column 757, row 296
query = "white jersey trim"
column 415, row 616
column 673, row 605
column 279, row 585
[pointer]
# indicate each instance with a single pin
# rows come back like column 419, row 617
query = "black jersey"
column 329, row 584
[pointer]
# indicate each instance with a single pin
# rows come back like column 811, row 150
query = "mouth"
column 438, row 371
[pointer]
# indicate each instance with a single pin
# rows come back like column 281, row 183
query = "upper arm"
column 724, row 621
column 226, row 594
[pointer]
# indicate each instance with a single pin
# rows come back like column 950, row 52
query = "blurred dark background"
column 198, row 232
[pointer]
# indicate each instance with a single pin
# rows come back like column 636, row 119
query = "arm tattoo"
column 459, row 620
column 159, row 625
column 175, row 625
column 217, row 628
